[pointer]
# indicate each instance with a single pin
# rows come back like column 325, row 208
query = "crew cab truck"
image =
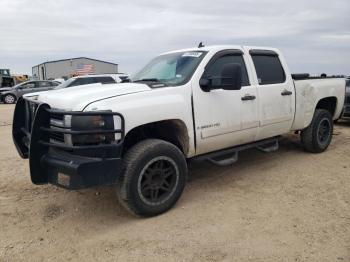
column 205, row 103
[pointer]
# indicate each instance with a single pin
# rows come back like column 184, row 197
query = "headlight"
column 94, row 123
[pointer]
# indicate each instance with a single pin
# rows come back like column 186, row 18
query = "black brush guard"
column 71, row 167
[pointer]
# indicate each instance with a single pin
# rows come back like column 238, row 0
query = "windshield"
column 65, row 83
column 5, row 72
column 171, row 69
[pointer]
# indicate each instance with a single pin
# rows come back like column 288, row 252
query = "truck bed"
column 309, row 91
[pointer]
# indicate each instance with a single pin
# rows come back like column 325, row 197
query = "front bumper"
column 71, row 167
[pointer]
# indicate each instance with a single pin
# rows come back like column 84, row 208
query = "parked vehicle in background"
column 60, row 80
column 205, row 103
column 125, row 78
column 346, row 110
column 119, row 77
column 6, row 80
column 11, row 95
column 89, row 79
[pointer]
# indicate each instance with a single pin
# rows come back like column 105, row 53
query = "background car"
column 11, row 95
column 93, row 79
column 60, row 80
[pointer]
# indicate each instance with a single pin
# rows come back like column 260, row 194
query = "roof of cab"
column 216, row 48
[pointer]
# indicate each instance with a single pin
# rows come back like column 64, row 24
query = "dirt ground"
column 283, row 206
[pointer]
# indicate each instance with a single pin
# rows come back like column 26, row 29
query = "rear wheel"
column 318, row 135
column 9, row 99
column 153, row 177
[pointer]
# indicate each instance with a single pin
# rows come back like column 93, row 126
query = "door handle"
column 248, row 97
column 286, row 93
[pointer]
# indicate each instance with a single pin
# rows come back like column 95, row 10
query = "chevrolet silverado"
column 206, row 103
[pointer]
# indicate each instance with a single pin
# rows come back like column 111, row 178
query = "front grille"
column 57, row 122
column 58, row 117
column 57, row 137
column 347, row 99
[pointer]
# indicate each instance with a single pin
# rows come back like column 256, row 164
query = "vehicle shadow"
column 343, row 123
column 101, row 204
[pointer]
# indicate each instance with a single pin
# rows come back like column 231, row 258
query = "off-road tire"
column 9, row 99
column 138, row 159
column 310, row 137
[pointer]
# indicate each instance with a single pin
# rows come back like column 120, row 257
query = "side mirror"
column 231, row 77
column 205, row 84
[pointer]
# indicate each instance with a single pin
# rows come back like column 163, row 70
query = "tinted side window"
column 268, row 69
column 43, row 84
column 28, row 85
column 214, row 69
column 82, row 81
column 88, row 80
column 76, row 82
column 104, row 80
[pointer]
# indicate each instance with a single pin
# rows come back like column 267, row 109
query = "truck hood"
column 78, row 97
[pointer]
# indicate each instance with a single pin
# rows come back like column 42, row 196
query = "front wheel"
column 9, row 99
column 318, row 135
column 153, row 177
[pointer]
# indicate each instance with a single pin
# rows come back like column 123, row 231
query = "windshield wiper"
column 147, row 80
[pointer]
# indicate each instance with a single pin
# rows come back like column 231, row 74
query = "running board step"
column 224, row 162
column 269, row 147
column 229, row 156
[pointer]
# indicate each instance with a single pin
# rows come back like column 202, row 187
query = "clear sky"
column 314, row 35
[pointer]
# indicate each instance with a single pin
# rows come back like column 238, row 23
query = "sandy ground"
column 284, row 206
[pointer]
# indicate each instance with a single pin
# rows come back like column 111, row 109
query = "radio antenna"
column 200, row 45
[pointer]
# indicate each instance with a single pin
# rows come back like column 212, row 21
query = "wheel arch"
column 328, row 103
column 172, row 130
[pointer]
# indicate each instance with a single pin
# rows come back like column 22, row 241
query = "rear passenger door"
column 276, row 93
column 43, row 86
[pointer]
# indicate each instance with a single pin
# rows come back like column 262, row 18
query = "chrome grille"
column 347, row 99
column 57, row 137
column 57, row 122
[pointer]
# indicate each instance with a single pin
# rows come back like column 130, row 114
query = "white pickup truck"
column 206, row 103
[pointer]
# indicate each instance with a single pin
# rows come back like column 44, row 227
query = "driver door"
column 225, row 118
column 26, row 88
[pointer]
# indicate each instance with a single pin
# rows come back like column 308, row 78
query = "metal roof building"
column 67, row 68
